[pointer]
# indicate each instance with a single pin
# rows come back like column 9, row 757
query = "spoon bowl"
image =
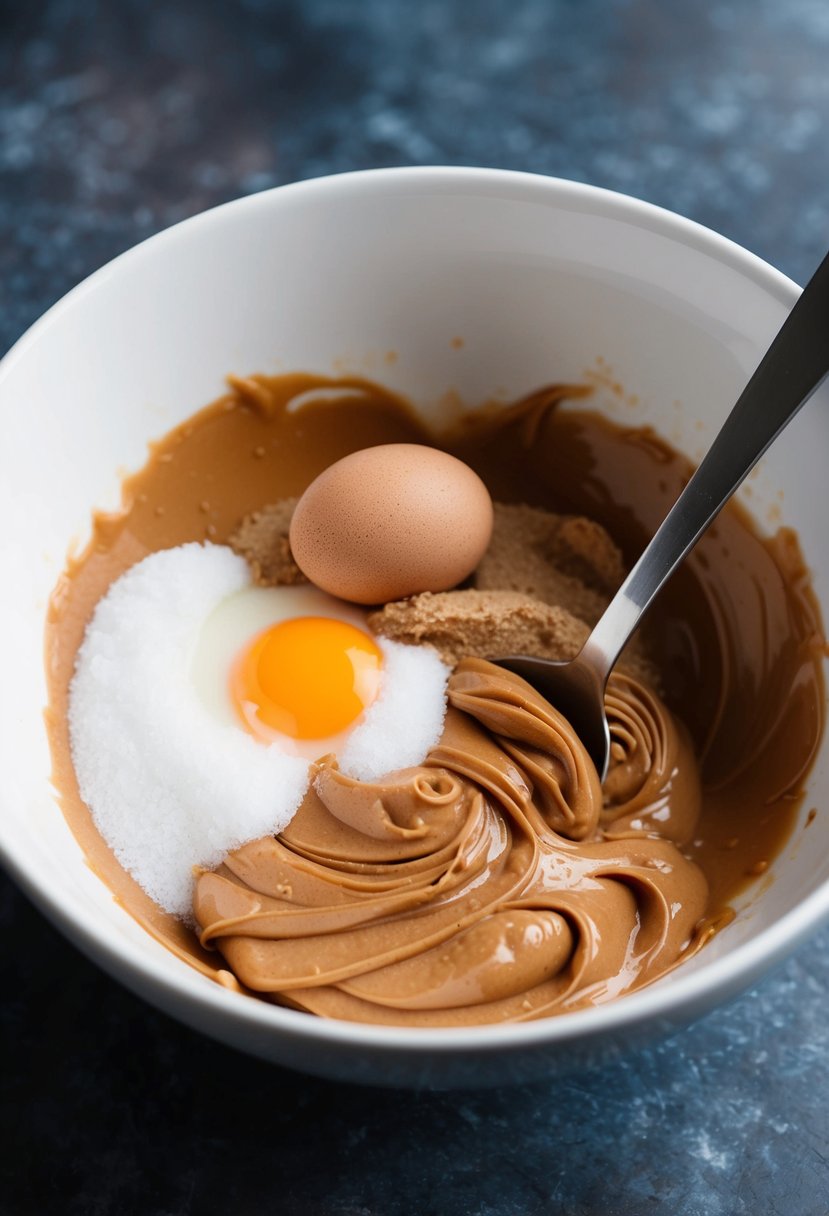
column 576, row 689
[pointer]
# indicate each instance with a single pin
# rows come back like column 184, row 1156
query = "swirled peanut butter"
column 496, row 881
column 482, row 886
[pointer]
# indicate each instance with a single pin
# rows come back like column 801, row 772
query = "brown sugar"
column 542, row 584
column 481, row 624
column 486, row 624
column 262, row 540
column 565, row 560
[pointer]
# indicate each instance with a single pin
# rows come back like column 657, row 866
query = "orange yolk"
column 307, row 678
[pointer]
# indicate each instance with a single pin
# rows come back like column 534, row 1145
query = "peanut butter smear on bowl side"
column 496, row 882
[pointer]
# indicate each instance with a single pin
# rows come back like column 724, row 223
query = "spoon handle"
column 791, row 370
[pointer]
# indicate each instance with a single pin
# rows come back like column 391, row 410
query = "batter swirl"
column 492, row 884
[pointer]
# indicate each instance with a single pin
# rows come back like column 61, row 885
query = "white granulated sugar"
column 405, row 722
column 169, row 785
column 171, row 778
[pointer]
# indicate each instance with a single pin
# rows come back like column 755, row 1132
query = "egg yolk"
column 307, row 678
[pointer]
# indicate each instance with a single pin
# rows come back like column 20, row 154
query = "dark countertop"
column 117, row 119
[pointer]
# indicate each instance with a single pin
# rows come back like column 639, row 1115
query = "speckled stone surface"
column 117, row 119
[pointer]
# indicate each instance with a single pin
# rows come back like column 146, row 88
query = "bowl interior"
column 377, row 274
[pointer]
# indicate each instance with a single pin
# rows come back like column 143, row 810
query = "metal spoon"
column 791, row 370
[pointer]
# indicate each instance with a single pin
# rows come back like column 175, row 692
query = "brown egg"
column 391, row 521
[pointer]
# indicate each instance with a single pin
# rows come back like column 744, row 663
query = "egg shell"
column 391, row 521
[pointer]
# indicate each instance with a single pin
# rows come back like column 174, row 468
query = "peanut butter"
column 478, row 888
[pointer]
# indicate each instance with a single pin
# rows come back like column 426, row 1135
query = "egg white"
column 234, row 623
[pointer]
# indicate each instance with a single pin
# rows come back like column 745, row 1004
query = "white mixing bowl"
column 540, row 278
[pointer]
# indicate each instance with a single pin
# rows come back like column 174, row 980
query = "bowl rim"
column 672, row 999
